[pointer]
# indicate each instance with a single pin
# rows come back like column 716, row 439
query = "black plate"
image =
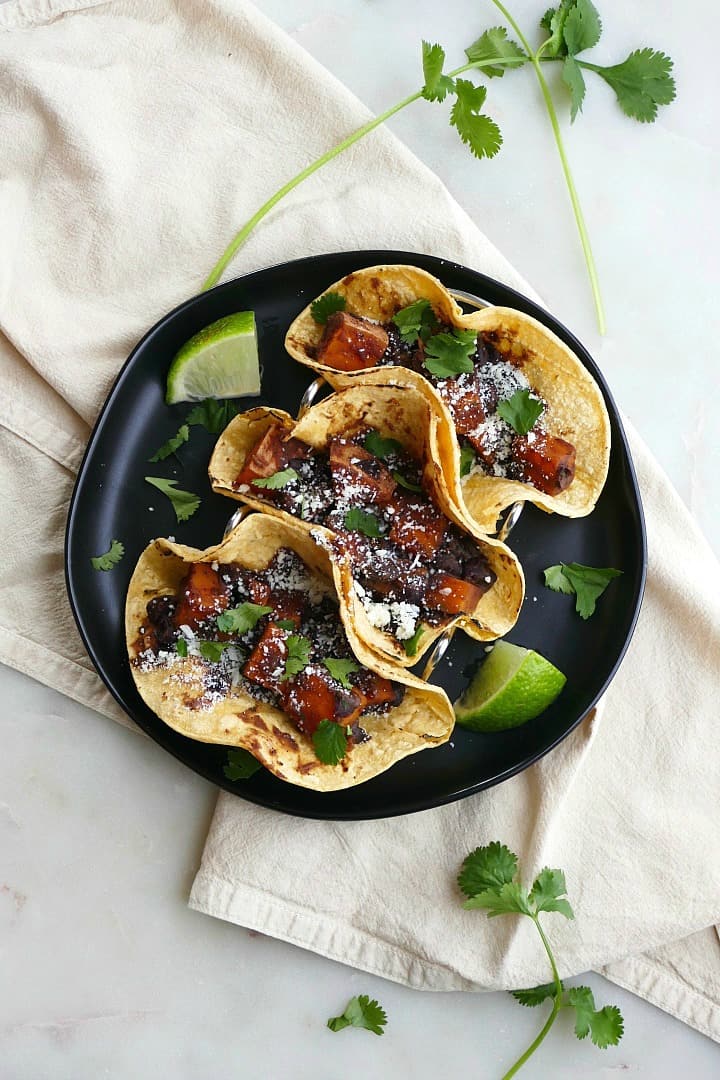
column 111, row 500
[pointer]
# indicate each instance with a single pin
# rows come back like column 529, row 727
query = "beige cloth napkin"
column 135, row 138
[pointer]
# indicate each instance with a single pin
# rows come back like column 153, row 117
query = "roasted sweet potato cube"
column 266, row 663
column 310, row 698
column 548, row 461
column 265, row 458
column 377, row 690
column 417, row 527
column 452, row 595
column 203, row 595
column 353, row 467
column 350, row 343
column 287, row 605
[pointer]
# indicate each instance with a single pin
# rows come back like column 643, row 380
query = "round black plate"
column 111, row 500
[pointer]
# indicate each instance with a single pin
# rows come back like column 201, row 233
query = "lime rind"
column 512, row 686
column 220, row 361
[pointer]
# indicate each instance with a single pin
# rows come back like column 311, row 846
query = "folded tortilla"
column 397, row 412
column 175, row 691
column 576, row 410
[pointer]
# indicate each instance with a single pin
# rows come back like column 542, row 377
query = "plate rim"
column 381, row 256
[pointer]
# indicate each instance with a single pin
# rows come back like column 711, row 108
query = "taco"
column 358, row 474
column 243, row 645
column 521, row 417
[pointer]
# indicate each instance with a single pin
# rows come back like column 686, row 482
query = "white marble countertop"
column 105, row 971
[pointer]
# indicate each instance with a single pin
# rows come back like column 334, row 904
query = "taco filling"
column 273, row 633
column 410, row 564
column 479, row 377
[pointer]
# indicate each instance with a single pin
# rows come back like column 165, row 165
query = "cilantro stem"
column 574, row 199
column 241, row 236
column 557, row 1002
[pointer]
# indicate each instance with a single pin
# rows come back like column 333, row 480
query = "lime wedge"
column 220, row 361
column 512, row 686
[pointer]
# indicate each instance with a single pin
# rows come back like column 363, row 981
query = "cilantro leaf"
column 330, row 742
column 547, row 889
column 298, row 655
column 436, row 85
column 111, row 557
column 467, row 459
column 487, row 867
column 605, row 1026
column 340, row 669
column 411, row 644
column 278, row 479
column 185, row 503
column 582, row 28
column 211, row 414
column 417, row 320
column 534, row 996
column 450, row 354
column 241, row 765
column 181, row 647
column 641, row 83
column 240, row 619
column 501, row 901
column 285, row 624
column 492, row 43
column 587, row 582
column 213, row 650
column 407, row 484
column 479, row 132
column 381, row 447
column 360, row 1012
column 173, row 444
column 572, row 76
column 326, row 305
column 359, row 521
column 521, row 411
column 554, row 22
column 546, row 21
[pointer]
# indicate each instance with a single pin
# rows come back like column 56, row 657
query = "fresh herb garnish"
column 181, row 647
column 449, row 354
column 361, row 521
column 488, row 879
column 641, row 84
column 382, row 448
column 340, row 669
column 298, row 655
column 285, row 624
column 411, row 644
column 521, row 411
column 173, row 444
column 330, row 742
column 467, row 458
column 326, row 305
column 586, row 582
column 278, row 480
column 185, row 503
column 360, row 1012
column 111, row 557
column 240, row 619
column 213, row 650
column 415, row 321
column 212, row 414
column 241, row 765
column 407, row 484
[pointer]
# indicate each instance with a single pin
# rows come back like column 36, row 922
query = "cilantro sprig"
column 330, row 742
column 340, row 670
column 450, row 354
column 326, row 305
column 360, row 1012
column 417, row 320
column 587, row 583
column 380, row 446
column 172, row 445
column 489, row 880
column 240, row 619
column 184, row 503
column 278, row 480
column 357, row 520
column 467, row 458
column 241, row 765
column 298, row 655
column 642, row 83
column 110, row 558
column 521, row 411
column 411, row 644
